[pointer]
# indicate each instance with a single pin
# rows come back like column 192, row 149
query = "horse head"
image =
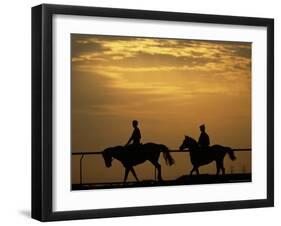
column 184, row 143
column 189, row 143
column 107, row 156
column 109, row 153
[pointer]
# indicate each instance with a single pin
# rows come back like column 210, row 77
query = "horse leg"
column 126, row 175
column 218, row 168
column 197, row 170
column 134, row 173
column 192, row 171
column 222, row 168
column 158, row 167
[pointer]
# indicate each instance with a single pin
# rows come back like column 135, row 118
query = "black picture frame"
column 42, row 106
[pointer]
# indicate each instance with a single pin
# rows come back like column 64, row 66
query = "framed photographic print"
column 145, row 112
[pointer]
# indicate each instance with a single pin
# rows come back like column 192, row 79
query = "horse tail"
column 167, row 156
column 230, row 152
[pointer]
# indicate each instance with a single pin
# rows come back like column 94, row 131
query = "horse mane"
column 194, row 142
column 109, row 150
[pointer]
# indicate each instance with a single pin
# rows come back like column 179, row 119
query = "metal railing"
column 82, row 154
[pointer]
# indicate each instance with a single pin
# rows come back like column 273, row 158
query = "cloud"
column 146, row 54
column 112, row 71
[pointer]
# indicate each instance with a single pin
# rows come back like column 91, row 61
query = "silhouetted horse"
column 130, row 158
column 202, row 157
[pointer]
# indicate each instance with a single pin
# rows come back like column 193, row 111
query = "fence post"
column 81, row 158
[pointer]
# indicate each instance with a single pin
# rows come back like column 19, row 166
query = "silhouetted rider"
column 204, row 140
column 136, row 135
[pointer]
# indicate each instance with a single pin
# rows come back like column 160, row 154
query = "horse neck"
column 114, row 151
column 194, row 144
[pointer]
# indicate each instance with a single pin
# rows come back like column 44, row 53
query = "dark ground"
column 183, row 180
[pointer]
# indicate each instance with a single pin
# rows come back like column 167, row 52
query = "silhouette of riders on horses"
column 134, row 141
column 204, row 140
column 135, row 153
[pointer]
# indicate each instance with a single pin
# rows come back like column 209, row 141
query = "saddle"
column 134, row 147
column 204, row 148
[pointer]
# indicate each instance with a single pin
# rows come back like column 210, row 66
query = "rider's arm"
column 129, row 141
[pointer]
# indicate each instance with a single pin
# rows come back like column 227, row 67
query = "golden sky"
column 170, row 86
